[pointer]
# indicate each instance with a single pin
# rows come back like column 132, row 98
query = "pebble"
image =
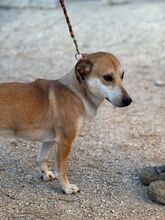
column 160, row 83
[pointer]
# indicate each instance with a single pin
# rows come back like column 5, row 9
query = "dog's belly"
column 33, row 135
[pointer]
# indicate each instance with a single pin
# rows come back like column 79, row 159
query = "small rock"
column 160, row 83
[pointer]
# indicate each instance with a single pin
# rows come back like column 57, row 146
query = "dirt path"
column 107, row 157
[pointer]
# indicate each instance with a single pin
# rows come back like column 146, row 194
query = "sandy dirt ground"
column 107, row 157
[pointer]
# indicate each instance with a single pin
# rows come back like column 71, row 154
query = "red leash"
column 70, row 29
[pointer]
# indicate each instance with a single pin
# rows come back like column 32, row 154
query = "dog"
column 54, row 111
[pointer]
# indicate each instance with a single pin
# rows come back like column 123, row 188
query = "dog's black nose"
column 127, row 101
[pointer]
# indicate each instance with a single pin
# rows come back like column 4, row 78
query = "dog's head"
column 103, row 76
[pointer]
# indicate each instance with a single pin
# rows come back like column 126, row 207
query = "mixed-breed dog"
column 54, row 111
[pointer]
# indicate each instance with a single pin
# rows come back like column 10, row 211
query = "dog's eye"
column 122, row 74
column 108, row 77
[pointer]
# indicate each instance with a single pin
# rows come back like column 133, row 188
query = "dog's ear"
column 83, row 69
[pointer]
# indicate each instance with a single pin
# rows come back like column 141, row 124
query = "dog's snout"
column 126, row 100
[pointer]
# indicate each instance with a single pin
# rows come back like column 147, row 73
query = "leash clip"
column 79, row 55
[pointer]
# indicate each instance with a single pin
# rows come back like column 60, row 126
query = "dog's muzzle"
column 125, row 101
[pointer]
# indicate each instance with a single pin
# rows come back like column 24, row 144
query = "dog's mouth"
column 107, row 99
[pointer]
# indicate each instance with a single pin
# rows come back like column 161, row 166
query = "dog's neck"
column 90, row 102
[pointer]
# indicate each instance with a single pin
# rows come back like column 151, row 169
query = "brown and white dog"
column 54, row 111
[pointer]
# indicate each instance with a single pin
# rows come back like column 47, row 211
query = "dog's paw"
column 48, row 176
column 71, row 189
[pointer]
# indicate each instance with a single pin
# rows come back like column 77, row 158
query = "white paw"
column 71, row 189
column 48, row 176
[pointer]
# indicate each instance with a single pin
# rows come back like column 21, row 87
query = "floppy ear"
column 83, row 69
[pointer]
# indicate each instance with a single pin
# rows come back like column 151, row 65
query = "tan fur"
column 54, row 111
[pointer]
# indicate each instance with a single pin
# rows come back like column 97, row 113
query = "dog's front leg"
column 64, row 147
column 42, row 159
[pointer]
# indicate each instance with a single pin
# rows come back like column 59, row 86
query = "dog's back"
column 21, row 102
column 31, row 110
column 22, row 106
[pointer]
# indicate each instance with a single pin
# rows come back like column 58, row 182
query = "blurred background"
column 35, row 31
column 107, row 157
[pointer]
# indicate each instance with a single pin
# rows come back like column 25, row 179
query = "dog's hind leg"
column 42, row 159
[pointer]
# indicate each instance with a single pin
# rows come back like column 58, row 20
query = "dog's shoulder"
column 43, row 84
column 65, row 94
column 53, row 86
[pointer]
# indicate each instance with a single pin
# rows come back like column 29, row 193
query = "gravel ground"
column 111, row 150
